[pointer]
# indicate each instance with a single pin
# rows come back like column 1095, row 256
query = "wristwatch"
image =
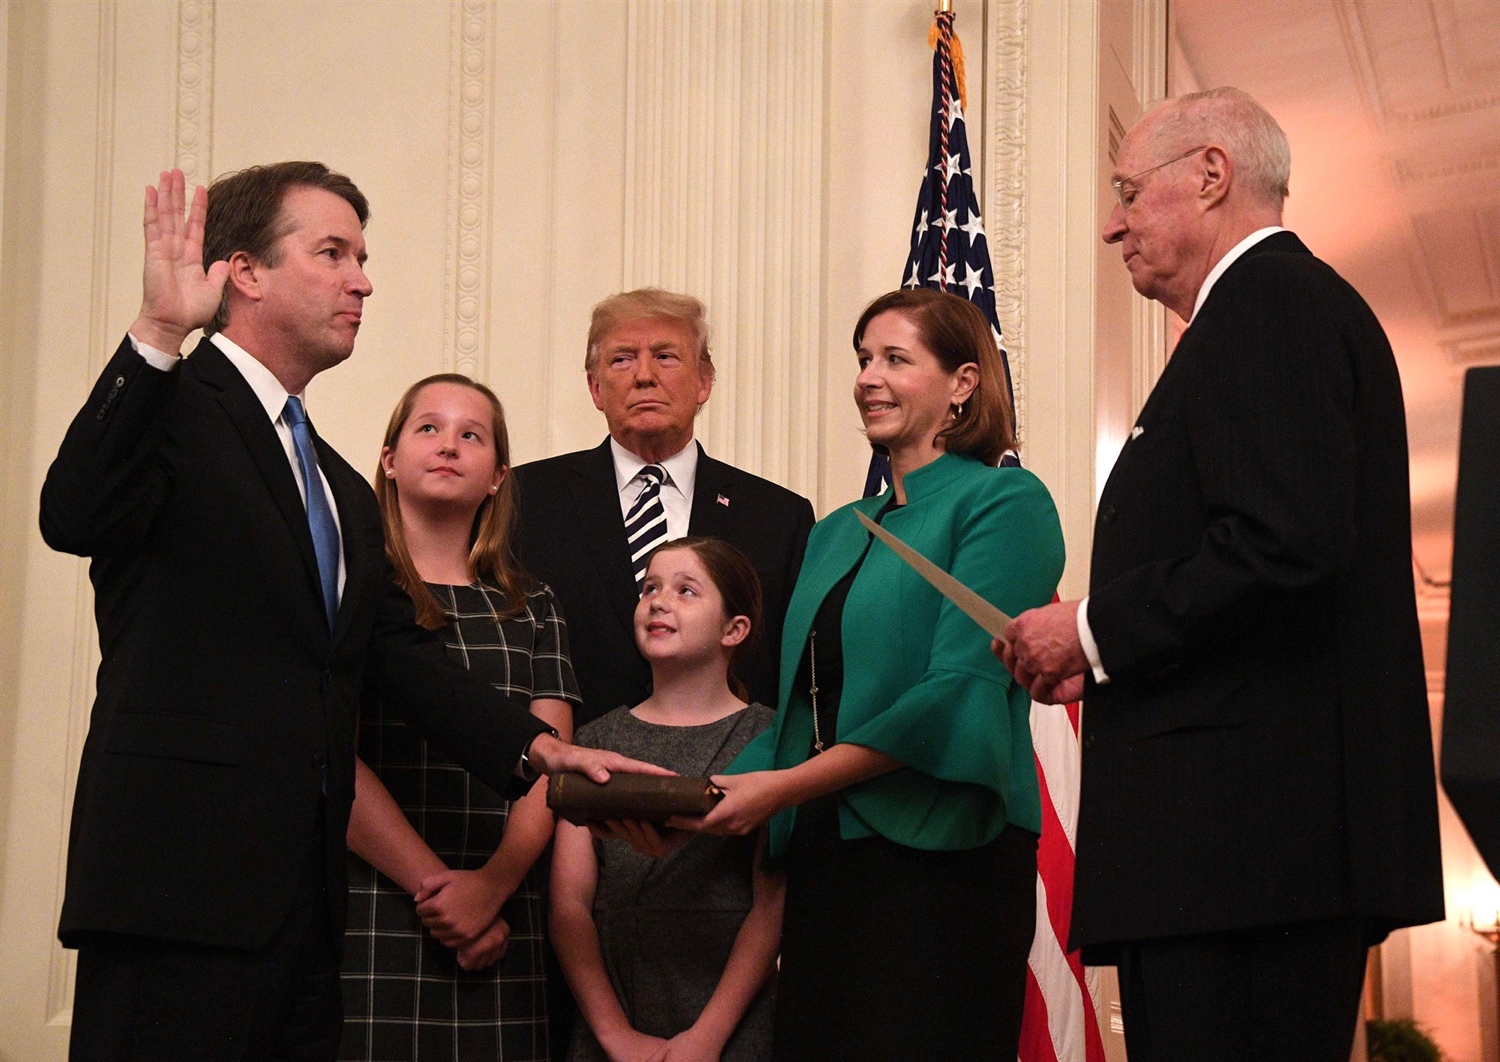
column 524, row 770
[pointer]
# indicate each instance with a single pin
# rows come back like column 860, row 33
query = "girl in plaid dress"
column 444, row 949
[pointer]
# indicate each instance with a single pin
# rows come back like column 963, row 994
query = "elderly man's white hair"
column 1230, row 118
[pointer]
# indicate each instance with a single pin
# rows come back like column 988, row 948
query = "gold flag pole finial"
column 956, row 48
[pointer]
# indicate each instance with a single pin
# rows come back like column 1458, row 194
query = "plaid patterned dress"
column 405, row 996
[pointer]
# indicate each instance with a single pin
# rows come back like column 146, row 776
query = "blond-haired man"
column 588, row 519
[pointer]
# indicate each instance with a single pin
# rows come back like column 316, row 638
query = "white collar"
column 262, row 380
column 682, row 467
column 1228, row 260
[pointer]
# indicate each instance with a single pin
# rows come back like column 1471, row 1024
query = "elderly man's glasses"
column 1125, row 187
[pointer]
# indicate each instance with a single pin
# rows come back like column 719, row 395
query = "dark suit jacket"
column 571, row 535
column 223, row 726
column 1262, row 753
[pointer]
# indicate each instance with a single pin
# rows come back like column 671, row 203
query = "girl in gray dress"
column 672, row 955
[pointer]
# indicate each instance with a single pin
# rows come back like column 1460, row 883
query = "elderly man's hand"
column 1043, row 653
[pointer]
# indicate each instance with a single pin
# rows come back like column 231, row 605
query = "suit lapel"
column 713, row 498
column 264, row 445
column 596, row 499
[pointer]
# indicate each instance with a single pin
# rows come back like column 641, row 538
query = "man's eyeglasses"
column 1126, row 190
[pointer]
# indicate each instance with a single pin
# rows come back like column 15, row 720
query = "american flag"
column 949, row 251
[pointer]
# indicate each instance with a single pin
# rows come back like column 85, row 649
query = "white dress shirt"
column 272, row 397
column 676, row 491
column 1085, row 632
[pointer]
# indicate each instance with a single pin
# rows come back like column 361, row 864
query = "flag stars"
column 955, row 112
column 974, row 227
column 973, row 279
column 914, row 280
column 922, row 225
column 949, row 222
column 944, row 277
column 952, row 166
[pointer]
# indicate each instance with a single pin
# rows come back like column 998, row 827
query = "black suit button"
column 1088, row 741
column 119, row 382
column 320, row 760
column 1107, row 514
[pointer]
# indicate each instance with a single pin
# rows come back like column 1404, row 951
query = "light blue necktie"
column 325, row 530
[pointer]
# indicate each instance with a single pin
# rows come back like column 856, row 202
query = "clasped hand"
column 461, row 909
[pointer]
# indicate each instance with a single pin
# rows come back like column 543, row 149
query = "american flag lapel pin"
column 722, row 500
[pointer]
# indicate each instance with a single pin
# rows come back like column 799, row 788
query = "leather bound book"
column 644, row 797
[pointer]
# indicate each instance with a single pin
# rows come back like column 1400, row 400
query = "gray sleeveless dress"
column 666, row 926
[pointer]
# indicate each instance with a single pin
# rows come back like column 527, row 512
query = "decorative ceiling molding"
column 1460, row 267
column 1470, row 351
column 1383, row 42
column 1424, row 168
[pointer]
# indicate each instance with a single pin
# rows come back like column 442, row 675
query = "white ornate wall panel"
column 724, row 199
column 195, row 90
column 1005, row 205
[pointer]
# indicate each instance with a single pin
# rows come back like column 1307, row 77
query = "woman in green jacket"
column 898, row 778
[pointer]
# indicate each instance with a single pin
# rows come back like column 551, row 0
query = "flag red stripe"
column 1036, row 1040
column 1054, row 862
column 1055, row 866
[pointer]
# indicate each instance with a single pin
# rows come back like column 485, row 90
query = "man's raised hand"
column 178, row 295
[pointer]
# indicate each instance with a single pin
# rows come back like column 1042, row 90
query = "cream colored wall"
column 523, row 160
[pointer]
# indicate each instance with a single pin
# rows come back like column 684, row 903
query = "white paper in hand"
column 975, row 607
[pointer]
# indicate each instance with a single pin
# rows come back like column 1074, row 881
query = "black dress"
column 889, row 952
column 405, row 996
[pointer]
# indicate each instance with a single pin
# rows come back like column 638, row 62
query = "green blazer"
column 920, row 683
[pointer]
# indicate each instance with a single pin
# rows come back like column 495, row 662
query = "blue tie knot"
column 293, row 413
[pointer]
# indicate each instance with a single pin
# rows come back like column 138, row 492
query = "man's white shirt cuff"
column 1090, row 647
column 157, row 359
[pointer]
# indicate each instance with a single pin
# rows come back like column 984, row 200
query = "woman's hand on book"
column 749, row 800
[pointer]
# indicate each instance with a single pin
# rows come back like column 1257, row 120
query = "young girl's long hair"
column 491, row 559
column 734, row 576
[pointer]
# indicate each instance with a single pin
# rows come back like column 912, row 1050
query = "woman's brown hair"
column 491, row 559
column 957, row 333
column 734, row 577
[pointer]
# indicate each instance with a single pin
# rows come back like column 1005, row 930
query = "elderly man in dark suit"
column 588, row 519
column 243, row 600
column 1258, row 803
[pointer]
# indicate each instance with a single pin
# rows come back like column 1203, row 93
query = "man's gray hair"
column 1230, row 118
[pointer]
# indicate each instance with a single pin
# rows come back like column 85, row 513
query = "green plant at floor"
column 1400, row 1040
